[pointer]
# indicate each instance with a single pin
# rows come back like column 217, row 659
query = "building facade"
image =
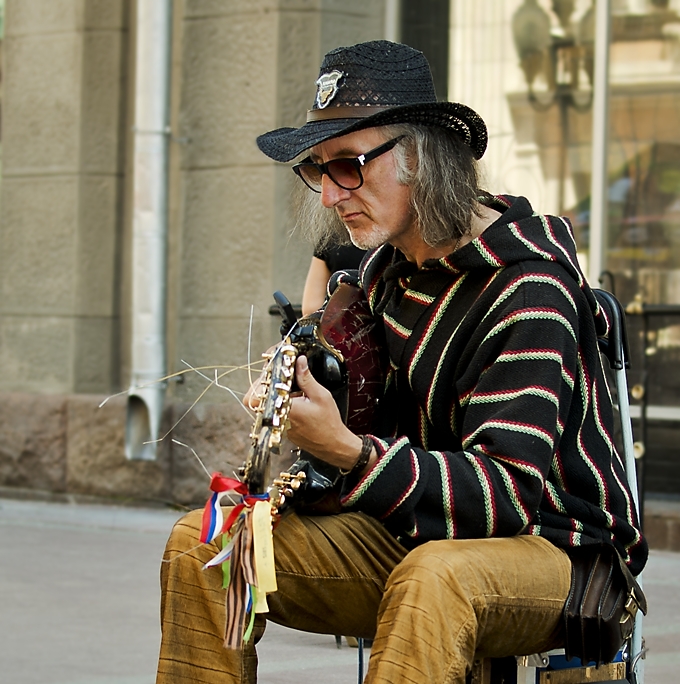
column 69, row 203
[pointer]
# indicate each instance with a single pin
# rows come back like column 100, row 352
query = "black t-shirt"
column 340, row 257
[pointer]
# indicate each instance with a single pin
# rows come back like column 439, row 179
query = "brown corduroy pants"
column 430, row 611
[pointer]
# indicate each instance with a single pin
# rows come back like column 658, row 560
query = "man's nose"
column 332, row 194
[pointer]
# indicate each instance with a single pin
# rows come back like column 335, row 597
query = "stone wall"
column 662, row 523
column 69, row 445
column 239, row 68
column 61, row 194
column 246, row 68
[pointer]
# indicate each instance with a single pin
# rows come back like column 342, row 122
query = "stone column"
column 248, row 67
column 64, row 96
column 60, row 212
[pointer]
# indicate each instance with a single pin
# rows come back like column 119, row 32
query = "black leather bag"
column 602, row 603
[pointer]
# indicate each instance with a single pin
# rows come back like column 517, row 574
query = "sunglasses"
column 345, row 173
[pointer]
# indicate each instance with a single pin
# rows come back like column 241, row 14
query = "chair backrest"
column 615, row 349
column 615, row 346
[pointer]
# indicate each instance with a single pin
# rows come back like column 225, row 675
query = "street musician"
column 492, row 456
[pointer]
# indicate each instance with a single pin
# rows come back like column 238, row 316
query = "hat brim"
column 284, row 144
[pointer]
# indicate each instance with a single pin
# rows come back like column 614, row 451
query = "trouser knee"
column 432, row 562
column 432, row 580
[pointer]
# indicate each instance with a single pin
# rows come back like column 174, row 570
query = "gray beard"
column 376, row 238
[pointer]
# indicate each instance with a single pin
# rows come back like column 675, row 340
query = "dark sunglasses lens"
column 310, row 175
column 344, row 173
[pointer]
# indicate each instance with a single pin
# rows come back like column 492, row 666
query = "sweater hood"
column 520, row 235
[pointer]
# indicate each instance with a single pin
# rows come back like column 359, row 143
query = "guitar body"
column 348, row 326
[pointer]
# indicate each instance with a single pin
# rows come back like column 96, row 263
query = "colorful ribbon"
column 247, row 554
column 221, row 487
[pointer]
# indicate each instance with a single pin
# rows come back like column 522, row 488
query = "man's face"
column 380, row 210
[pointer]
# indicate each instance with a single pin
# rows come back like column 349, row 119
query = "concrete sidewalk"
column 79, row 603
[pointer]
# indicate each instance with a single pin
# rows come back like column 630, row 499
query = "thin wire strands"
column 212, row 382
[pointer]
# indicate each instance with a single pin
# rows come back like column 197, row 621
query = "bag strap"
column 636, row 597
column 582, row 558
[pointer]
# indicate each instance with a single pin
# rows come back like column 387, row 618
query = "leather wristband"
column 364, row 456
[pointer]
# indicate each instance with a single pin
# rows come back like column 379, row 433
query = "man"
column 493, row 450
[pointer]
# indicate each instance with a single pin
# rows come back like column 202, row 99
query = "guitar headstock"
column 271, row 416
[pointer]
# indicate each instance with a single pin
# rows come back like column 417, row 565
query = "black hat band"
column 344, row 112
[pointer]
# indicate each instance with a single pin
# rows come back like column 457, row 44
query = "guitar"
column 343, row 348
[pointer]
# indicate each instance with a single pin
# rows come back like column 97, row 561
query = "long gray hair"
column 443, row 177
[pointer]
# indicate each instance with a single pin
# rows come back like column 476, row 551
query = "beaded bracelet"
column 364, row 456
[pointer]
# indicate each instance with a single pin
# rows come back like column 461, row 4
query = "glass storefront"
column 527, row 66
column 643, row 236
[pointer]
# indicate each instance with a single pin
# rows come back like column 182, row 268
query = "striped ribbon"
column 238, row 556
column 213, row 521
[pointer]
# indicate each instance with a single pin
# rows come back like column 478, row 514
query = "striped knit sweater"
column 496, row 418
